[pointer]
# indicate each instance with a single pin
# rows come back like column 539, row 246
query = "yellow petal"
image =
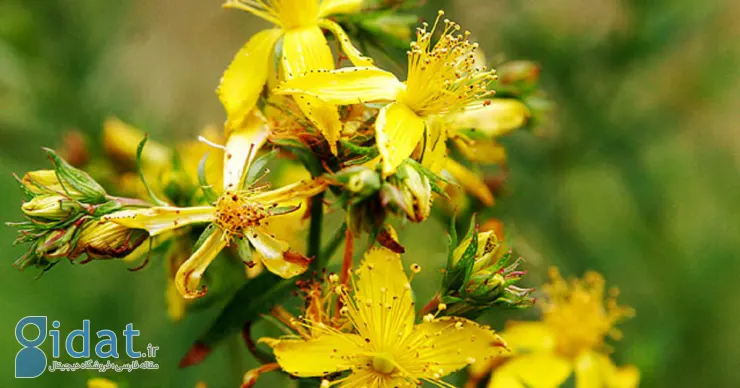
column 315, row 357
column 504, row 378
column 156, row 220
column 354, row 55
column 470, row 181
column 245, row 77
column 276, row 255
column 381, row 282
column 302, row 189
column 304, row 50
column 495, row 117
column 539, row 370
column 434, row 153
column 191, row 271
column 596, row 370
column 100, row 382
column 485, row 151
column 397, row 132
column 333, row 7
column 242, row 144
column 350, row 85
column 447, row 344
column 529, row 337
column 121, row 141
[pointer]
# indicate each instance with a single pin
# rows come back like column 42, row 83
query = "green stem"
column 332, row 246
column 314, row 232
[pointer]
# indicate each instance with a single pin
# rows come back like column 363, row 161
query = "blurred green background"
column 636, row 177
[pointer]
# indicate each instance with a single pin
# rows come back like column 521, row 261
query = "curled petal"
column 470, row 181
column 276, row 254
column 397, row 132
column 333, row 7
column 351, row 85
column 494, row 117
column 245, row 77
column 328, row 353
column 191, row 271
column 242, row 144
column 156, row 220
column 302, row 189
column 354, row 55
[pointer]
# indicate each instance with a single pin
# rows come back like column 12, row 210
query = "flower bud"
column 108, row 239
column 361, row 181
column 417, row 192
column 487, row 245
column 53, row 207
column 525, row 72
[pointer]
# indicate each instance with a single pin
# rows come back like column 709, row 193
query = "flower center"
column 580, row 314
column 235, row 213
column 444, row 77
column 383, row 363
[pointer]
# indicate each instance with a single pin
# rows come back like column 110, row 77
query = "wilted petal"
column 317, row 356
column 276, row 254
column 470, row 181
column 242, row 144
column 156, row 220
column 351, row 85
column 245, row 77
column 397, row 132
column 191, row 271
column 354, row 55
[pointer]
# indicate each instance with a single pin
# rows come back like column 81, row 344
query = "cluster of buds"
column 64, row 208
column 368, row 197
column 480, row 274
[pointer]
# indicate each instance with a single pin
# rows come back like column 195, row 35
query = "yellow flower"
column 385, row 348
column 101, row 382
column 238, row 216
column 442, row 79
column 570, row 339
column 304, row 48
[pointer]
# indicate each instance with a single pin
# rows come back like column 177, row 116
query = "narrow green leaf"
column 140, row 170
column 255, row 170
column 210, row 194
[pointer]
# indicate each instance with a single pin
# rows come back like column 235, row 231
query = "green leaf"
column 140, row 170
column 257, row 165
column 80, row 181
column 210, row 194
column 254, row 298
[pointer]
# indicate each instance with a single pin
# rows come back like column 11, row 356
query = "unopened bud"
column 53, row 207
column 484, row 253
column 108, row 239
column 417, row 193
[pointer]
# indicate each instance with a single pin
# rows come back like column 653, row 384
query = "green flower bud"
column 484, row 254
column 361, row 181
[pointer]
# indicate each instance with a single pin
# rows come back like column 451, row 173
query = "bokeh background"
column 636, row 176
